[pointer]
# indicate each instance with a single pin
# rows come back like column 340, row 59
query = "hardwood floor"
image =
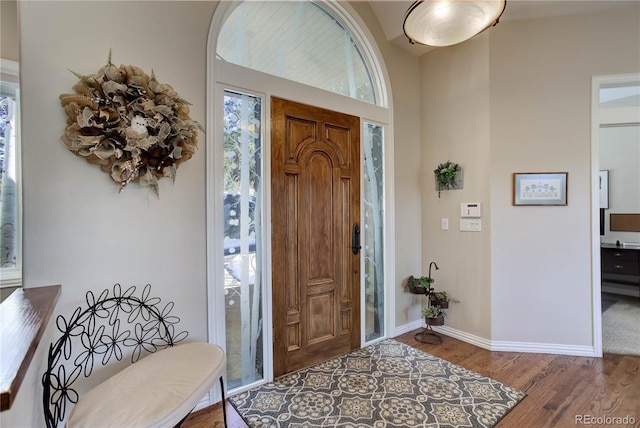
column 562, row 391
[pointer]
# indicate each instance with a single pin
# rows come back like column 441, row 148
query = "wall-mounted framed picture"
column 604, row 189
column 540, row 188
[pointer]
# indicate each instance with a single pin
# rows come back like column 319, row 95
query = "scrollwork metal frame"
column 98, row 328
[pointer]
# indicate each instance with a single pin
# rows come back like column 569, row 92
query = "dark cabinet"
column 620, row 265
column 622, row 262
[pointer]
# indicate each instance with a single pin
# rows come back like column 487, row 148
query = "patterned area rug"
column 388, row 384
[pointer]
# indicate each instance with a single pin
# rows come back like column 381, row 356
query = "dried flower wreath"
column 135, row 128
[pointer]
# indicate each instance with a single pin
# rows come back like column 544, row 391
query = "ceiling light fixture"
column 447, row 22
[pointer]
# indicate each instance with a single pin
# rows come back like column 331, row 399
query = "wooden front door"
column 315, row 195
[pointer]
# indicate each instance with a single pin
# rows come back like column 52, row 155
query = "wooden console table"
column 23, row 318
column 620, row 265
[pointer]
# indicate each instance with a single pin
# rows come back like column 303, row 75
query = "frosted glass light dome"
column 447, row 22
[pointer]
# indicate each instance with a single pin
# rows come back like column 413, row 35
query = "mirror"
column 10, row 215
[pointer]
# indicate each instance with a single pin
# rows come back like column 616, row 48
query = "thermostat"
column 470, row 209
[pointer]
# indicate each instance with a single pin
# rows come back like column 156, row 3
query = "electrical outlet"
column 445, row 224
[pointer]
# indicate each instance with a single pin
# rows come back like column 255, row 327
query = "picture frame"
column 603, row 185
column 540, row 188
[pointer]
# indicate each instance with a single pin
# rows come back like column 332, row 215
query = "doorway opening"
column 616, row 192
column 315, row 193
column 240, row 219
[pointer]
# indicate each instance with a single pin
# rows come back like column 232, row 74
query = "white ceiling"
column 391, row 14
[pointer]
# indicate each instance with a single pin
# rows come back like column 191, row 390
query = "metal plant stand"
column 428, row 336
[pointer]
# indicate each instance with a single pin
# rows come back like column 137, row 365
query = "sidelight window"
column 373, row 236
column 243, row 237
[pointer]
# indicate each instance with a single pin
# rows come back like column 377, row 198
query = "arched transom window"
column 299, row 41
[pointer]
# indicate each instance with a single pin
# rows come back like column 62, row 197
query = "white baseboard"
column 448, row 331
column 406, row 328
column 544, row 348
column 491, row 345
column 464, row 336
column 205, row 402
column 211, row 398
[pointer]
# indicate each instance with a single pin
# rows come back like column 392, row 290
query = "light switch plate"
column 445, row 224
column 470, row 224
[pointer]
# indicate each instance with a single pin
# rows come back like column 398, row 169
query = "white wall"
column 517, row 99
column 403, row 69
column 455, row 127
column 541, row 121
column 9, row 47
column 79, row 232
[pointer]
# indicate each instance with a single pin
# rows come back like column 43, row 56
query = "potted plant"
column 433, row 315
column 420, row 285
column 447, row 176
column 439, row 298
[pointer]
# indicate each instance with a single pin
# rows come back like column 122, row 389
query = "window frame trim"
column 387, row 234
column 10, row 75
column 218, row 281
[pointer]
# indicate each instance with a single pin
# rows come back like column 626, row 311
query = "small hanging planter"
column 433, row 315
column 444, row 304
column 448, row 176
column 439, row 298
column 420, row 285
column 439, row 320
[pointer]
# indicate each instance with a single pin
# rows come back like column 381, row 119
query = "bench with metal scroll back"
column 161, row 386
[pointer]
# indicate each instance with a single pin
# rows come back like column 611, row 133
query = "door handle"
column 355, row 239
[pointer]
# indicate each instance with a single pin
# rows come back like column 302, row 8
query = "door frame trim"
column 597, row 82
column 253, row 82
column 266, row 86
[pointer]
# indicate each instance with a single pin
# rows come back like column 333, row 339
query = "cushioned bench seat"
column 157, row 391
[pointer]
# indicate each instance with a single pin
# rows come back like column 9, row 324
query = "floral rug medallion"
column 388, row 384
